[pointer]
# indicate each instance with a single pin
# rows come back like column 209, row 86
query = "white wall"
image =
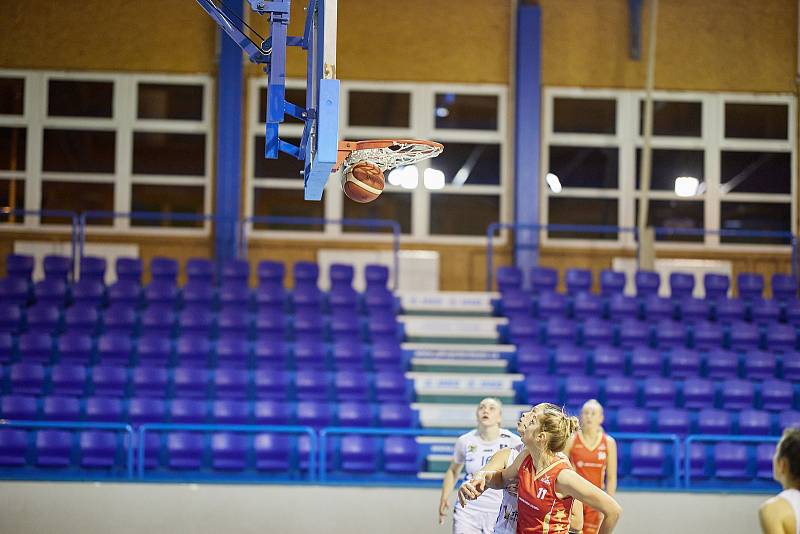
column 86, row 508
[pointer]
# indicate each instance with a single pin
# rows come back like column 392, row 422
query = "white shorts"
column 466, row 521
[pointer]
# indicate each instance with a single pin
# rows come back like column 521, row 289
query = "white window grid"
column 421, row 126
column 627, row 140
column 124, row 122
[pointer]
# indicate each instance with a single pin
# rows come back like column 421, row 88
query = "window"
column 719, row 162
column 104, row 142
column 469, row 176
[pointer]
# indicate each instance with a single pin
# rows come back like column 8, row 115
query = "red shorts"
column 591, row 520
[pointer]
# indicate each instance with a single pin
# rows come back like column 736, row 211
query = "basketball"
column 363, row 182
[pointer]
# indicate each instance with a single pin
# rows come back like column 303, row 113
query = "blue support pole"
column 527, row 138
column 229, row 143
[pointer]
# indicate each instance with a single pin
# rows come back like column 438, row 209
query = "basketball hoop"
column 385, row 153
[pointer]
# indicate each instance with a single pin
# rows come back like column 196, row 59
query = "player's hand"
column 442, row 510
column 471, row 490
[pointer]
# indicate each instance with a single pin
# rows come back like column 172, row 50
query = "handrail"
column 74, row 227
column 369, row 223
column 249, row 429
column 687, row 466
column 80, row 425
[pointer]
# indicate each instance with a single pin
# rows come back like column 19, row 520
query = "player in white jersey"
column 472, row 451
column 781, row 514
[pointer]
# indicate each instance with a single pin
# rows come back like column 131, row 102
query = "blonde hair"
column 558, row 425
column 593, row 402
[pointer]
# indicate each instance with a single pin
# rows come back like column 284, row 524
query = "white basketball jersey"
column 473, row 452
column 792, row 496
column 507, row 517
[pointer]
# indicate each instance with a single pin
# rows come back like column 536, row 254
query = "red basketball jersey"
column 590, row 463
column 540, row 510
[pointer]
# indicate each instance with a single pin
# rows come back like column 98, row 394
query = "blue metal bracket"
column 635, row 29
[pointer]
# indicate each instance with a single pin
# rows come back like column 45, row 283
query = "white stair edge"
column 458, row 347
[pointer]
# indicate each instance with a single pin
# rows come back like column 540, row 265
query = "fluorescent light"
column 433, row 179
column 442, row 112
column 686, row 186
column 553, row 182
column 396, row 176
column 409, row 176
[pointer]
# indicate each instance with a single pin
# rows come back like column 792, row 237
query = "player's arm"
column 576, row 517
column 773, row 514
column 496, row 462
column 571, row 483
column 449, row 482
column 484, row 480
column 611, row 466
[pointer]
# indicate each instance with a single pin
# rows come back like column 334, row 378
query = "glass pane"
column 370, row 108
column 173, row 102
column 72, row 98
column 169, row 153
column 670, row 164
column 757, row 121
column 469, row 112
column 77, row 197
column 756, row 172
column 454, row 214
column 79, row 151
column 759, row 216
column 392, row 206
column 677, row 214
column 12, row 95
column 682, row 119
column 584, row 211
column 167, row 199
column 585, row 115
column 584, row 166
column 295, row 96
column 12, row 189
column 285, row 203
column 12, row 149
column 285, row 166
column 469, row 164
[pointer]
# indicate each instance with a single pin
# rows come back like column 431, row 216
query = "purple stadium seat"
column 231, row 383
column 560, row 330
column 270, row 293
column 570, row 360
column 533, row 359
column 310, row 353
column 659, row 392
column 393, row 414
column 233, row 351
column 188, row 411
column 109, row 380
column 608, row 361
column 646, row 362
column 727, row 310
column 716, row 286
column 681, row 285
column 270, row 323
column 400, row 455
column 199, row 270
column 647, row 283
column 145, row 410
column 790, row 367
column 184, row 450
column 699, row 462
column 161, row 292
column 198, row 294
column 305, row 293
column 524, row 331
column 190, row 382
column 648, row 459
column 43, row 318
column 672, row 421
column 15, row 291
column 542, row 388
column 93, row 268
column 781, row 338
column 271, row 383
column 382, row 326
column 154, row 349
column 737, row 394
column 27, row 378
column 585, row 305
column 611, row 282
column 348, row 354
column 104, row 409
column 656, row 308
column 13, row 447
column 120, row 319
column 129, row 269
column 549, row 304
column 712, row 421
column 309, row 324
column 53, row 448
column 764, row 454
column 788, row 419
column 351, row 386
column 125, row 292
column 11, row 318
column 35, row 347
column 235, row 272
column 759, row 365
column 633, row 333
column 19, row 266
column 754, row 423
column 57, row 408
column 633, row 420
column 229, row 451
column 750, row 285
column 386, row 355
column 98, row 449
column 157, row 319
column 164, row 269
column 81, row 318
column 316, row 414
column 515, row 302
column 391, row 387
column 311, row 384
column 51, row 291
column 273, row 412
column 193, row 349
column 233, row 322
column 271, row 272
column 543, row 280
column 684, row 363
column 6, row 347
column 578, row 389
column 271, row 352
column 730, row 461
column 620, row 391
column 230, row 412
column 380, row 300
column 57, row 267
column 722, row 364
column 692, row 309
column 113, row 348
column 577, row 280
column 234, row 296
column 357, row 454
column 764, row 311
column 670, row 334
column 784, row 287
column 196, row 320
column 272, row 452
column 342, row 298
column 744, row 336
column 149, row 381
column 597, row 331
column 20, row 407
column 776, row 395
column 344, row 326
column 707, row 335
column 508, row 278
column 68, row 379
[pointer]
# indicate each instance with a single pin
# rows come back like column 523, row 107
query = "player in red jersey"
column 593, row 453
column 546, row 484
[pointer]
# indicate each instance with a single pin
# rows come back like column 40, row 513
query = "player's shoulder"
column 508, row 435
column 468, row 436
column 609, row 439
column 775, row 505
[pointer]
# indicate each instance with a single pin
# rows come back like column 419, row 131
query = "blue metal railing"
column 669, row 438
column 74, row 227
column 687, row 467
column 308, row 221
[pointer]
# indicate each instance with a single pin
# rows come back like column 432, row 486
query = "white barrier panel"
column 447, row 301
column 452, row 415
column 456, row 351
column 452, row 327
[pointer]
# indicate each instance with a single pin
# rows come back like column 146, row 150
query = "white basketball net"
column 394, row 155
